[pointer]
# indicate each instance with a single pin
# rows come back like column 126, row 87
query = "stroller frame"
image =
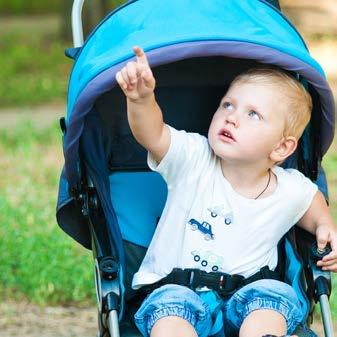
column 106, row 269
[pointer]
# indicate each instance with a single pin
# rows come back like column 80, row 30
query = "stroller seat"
column 109, row 201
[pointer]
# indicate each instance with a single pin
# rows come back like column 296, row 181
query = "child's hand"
column 326, row 234
column 136, row 78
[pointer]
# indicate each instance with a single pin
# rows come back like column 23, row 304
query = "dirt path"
column 33, row 321
column 41, row 116
column 23, row 319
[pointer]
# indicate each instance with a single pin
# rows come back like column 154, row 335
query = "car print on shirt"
column 219, row 210
column 208, row 258
column 203, row 227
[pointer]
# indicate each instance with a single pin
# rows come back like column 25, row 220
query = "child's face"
column 248, row 124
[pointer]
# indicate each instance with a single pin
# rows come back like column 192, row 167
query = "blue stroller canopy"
column 172, row 30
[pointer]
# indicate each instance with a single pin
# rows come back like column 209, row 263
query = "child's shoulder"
column 290, row 174
column 191, row 138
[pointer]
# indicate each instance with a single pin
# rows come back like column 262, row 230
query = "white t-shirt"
column 207, row 225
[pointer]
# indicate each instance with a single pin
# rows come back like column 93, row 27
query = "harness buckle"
column 194, row 278
column 221, row 282
column 228, row 284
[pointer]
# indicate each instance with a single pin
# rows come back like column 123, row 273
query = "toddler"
column 228, row 205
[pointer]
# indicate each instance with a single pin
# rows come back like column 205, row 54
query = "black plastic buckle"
column 265, row 272
column 178, row 276
column 194, row 278
column 230, row 283
column 212, row 280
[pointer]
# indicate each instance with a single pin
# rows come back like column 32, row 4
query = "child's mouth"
column 226, row 135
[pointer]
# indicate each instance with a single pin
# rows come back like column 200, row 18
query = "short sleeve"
column 186, row 150
column 301, row 191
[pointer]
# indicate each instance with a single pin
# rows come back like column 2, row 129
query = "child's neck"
column 250, row 180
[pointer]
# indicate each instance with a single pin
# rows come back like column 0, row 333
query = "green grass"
column 38, row 261
column 34, row 69
column 330, row 165
column 32, row 6
column 19, row 7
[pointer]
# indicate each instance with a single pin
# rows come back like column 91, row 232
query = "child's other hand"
column 326, row 234
column 136, row 78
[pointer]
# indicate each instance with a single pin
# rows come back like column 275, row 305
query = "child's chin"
column 221, row 155
column 220, row 151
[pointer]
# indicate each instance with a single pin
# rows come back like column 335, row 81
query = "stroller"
column 108, row 200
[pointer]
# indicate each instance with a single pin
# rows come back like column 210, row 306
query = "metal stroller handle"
column 106, row 268
column 113, row 324
column 326, row 316
column 322, row 280
column 76, row 23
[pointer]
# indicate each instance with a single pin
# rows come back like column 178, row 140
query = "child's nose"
column 232, row 118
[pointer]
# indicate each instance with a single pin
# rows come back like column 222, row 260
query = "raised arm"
column 144, row 114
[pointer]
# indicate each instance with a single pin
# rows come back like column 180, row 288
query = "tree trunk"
column 92, row 13
column 65, row 22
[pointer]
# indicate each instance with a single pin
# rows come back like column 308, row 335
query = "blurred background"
column 46, row 279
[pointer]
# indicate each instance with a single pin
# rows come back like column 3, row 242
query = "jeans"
column 211, row 315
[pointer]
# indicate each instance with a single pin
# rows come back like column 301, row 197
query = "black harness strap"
column 224, row 284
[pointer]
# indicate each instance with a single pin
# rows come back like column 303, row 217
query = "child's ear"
column 284, row 149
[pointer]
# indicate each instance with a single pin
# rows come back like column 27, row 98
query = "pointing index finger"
column 140, row 55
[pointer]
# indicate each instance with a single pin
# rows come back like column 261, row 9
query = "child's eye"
column 227, row 105
column 254, row 115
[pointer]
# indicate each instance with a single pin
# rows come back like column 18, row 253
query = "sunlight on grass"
column 39, row 261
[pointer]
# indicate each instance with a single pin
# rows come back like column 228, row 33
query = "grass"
column 32, row 6
column 38, row 261
column 33, row 70
column 23, row 7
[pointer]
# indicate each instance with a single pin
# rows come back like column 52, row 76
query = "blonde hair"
column 299, row 102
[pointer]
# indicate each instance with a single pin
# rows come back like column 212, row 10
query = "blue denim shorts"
column 211, row 315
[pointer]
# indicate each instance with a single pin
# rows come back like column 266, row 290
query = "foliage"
column 34, row 69
column 29, row 7
column 40, row 6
